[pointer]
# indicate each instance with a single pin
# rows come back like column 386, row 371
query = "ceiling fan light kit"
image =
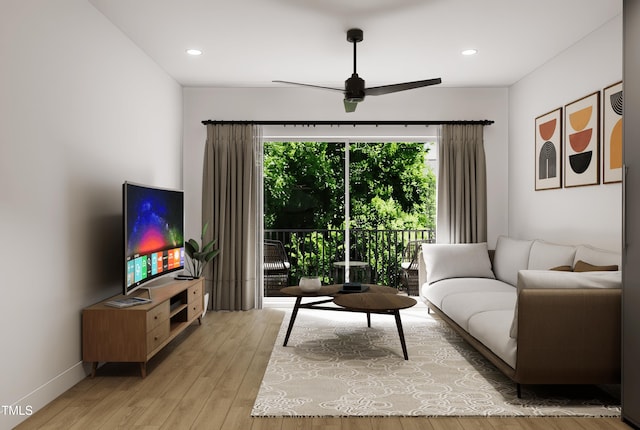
column 354, row 87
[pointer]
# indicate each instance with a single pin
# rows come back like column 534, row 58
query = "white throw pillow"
column 596, row 256
column 554, row 279
column 460, row 260
column 546, row 255
column 511, row 256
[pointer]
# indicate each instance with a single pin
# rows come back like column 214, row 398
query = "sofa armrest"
column 569, row 336
column 422, row 272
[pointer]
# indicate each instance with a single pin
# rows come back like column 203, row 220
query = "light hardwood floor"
column 208, row 378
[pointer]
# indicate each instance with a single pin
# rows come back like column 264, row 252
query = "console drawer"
column 157, row 315
column 194, row 297
column 195, row 309
column 158, row 335
column 194, row 293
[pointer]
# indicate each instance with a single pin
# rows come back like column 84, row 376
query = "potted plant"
column 308, row 262
column 200, row 254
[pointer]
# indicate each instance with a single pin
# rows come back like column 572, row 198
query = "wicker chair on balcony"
column 276, row 267
column 409, row 266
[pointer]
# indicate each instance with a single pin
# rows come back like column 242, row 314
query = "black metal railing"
column 316, row 252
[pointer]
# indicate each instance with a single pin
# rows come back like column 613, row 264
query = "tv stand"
column 148, row 289
column 137, row 333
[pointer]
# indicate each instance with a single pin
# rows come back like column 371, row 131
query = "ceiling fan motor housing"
column 354, row 89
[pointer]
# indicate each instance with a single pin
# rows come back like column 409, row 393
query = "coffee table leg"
column 293, row 318
column 368, row 319
column 401, row 333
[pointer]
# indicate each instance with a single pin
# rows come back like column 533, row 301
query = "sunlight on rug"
column 335, row 366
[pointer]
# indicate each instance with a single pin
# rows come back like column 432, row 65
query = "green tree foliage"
column 303, row 185
column 391, row 187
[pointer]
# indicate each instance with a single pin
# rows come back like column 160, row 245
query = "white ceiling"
column 249, row 43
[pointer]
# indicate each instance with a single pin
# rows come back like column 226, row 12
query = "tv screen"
column 153, row 233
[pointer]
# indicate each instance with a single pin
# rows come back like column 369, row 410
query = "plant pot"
column 310, row 284
column 206, row 304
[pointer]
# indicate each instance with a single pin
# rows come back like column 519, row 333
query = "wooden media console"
column 137, row 333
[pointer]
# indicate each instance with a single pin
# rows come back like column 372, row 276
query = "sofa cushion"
column 511, row 256
column 492, row 329
column 445, row 261
column 437, row 292
column 462, row 307
column 554, row 279
column 545, row 255
column 597, row 256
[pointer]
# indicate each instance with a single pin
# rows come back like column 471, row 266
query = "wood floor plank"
column 324, row 423
column 297, row 424
column 599, row 424
column 445, row 423
column 386, row 423
column 514, row 423
column 475, row 423
column 188, row 408
column 250, row 370
column 233, row 363
column 358, row 423
column 208, row 378
column 265, row 423
column 417, row 423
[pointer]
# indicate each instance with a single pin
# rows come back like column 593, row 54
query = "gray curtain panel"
column 462, row 185
column 230, row 203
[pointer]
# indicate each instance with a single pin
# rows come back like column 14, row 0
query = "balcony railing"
column 316, row 252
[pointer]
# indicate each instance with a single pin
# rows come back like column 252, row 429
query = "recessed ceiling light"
column 470, row 52
column 194, row 52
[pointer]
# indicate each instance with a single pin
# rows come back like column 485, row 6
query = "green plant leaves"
column 200, row 255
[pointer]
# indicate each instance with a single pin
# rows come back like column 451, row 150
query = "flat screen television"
column 153, row 233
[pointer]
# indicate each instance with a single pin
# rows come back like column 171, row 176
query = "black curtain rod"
column 353, row 123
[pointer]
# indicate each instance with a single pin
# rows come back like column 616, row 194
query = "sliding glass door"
column 346, row 210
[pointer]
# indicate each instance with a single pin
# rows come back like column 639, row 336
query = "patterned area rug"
column 335, row 366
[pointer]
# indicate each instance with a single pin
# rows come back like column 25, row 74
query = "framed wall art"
column 548, row 141
column 612, row 133
column 582, row 140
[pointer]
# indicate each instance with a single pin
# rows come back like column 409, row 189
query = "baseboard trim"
column 42, row 396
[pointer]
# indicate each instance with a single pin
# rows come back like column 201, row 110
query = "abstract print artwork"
column 548, row 150
column 612, row 134
column 581, row 134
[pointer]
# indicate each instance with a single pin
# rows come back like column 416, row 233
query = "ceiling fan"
column 354, row 89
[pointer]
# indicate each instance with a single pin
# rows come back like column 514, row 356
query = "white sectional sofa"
column 537, row 325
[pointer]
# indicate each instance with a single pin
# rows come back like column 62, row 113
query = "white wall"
column 436, row 103
column 590, row 214
column 82, row 109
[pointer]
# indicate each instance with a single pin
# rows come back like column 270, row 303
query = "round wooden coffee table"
column 379, row 304
column 377, row 299
column 334, row 290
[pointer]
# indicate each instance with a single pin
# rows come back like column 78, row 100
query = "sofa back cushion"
column 546, row 255
column 511, row 256
column 596, row 256
column 460, row 260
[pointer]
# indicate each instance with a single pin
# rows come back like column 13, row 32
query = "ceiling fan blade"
column 350, row 106
column 309, row 85
column 387, row 89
